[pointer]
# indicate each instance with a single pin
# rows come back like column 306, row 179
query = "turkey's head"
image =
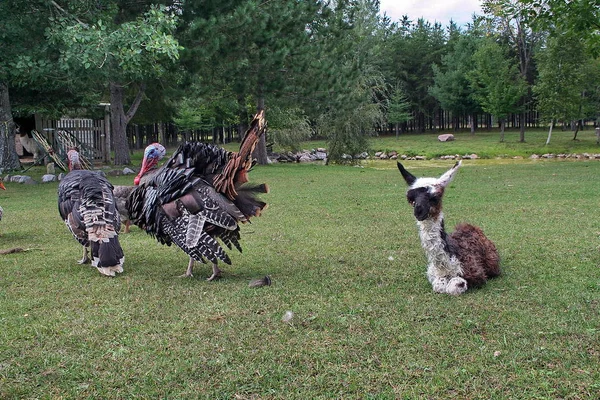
column 73, row 159
column 152, row 155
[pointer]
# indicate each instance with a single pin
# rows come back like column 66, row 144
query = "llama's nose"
column 421, row 213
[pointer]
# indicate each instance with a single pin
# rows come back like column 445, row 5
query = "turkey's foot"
column 108, row 271
column 216, row 273
column 85, row 259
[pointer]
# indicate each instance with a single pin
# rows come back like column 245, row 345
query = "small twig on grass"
column 15, row 250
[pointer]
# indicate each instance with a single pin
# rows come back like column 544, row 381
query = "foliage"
column 398, row 107
column 579, row 18
column 451, row 85
column 343, row 252
column 289, row 127
column 496, row 82
column 560, row 86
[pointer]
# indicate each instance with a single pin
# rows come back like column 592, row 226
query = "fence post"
column 106, row 155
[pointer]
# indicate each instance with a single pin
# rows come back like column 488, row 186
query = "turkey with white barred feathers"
column 87, row 205
column 199, row 196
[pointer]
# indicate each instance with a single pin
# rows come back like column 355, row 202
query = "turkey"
column 199, row 196
column 87, row 205
column 152, row 155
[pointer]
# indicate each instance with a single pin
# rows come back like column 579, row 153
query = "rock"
column 50, row 169
column 61, row 176
column 534, row 156
column 420, row 158
column 320, row 155
column 378, row 154
column 24, row 179
column 448, row 137
column 128, row 171
column 48, row 178
column 305, row 158
column 394, row 157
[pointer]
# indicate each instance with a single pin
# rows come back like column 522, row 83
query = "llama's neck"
column 433, row 239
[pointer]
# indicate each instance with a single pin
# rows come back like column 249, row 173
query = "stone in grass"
column 448, row 137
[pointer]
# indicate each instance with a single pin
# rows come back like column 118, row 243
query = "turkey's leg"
column 188, row 272
column 85, row 259
column 216, row 273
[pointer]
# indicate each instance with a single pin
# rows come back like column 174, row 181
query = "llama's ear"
column 448, row 175
column 408, row 177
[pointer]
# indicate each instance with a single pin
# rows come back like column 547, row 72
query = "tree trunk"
column 260, row 152
column 522, row 128
column 550, row 132
column 502, row 125
column 119, row 120
column 576, row 130
column 472, row 123
column 9, row 159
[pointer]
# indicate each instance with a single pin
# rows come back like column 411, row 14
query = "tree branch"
column 136, row 103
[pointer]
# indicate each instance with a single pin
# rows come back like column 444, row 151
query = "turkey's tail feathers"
column 247, row 201
column 252, row 135
column 108, row 256
column 235, row 172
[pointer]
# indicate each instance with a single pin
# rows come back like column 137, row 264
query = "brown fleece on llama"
column 477, row 254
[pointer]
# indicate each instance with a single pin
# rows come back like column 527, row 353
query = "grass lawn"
column 341, row 246
column 486, row 144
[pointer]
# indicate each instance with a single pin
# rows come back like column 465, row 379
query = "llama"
column 457, row 261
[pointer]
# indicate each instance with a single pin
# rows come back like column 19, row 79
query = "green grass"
column 486, row 144
column 342, row 248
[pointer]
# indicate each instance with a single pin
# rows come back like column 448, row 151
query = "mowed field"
column 341, row 246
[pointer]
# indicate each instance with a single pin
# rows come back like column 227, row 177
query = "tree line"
column 338, row 70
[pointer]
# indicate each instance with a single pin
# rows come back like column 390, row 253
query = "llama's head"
column 425, row 194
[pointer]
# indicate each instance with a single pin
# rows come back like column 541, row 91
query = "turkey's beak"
column 2, row 186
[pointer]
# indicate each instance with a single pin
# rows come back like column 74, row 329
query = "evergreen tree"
column 496, row 82
column 451, row 85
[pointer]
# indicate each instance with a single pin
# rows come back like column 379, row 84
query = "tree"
column 250, row 48
column 451, row 85
column 288, row 127
column 398, row 109
column 118, row 49
column 512, row 23
column 496, row 82
column 21, row 40
column 560, row 83
column 579, row 18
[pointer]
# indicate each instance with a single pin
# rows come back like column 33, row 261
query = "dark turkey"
column 152, row 155
column 87, row 205
column 199, row 196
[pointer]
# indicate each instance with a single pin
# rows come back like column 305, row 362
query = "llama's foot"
column 453, row 286
column 456, row 286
